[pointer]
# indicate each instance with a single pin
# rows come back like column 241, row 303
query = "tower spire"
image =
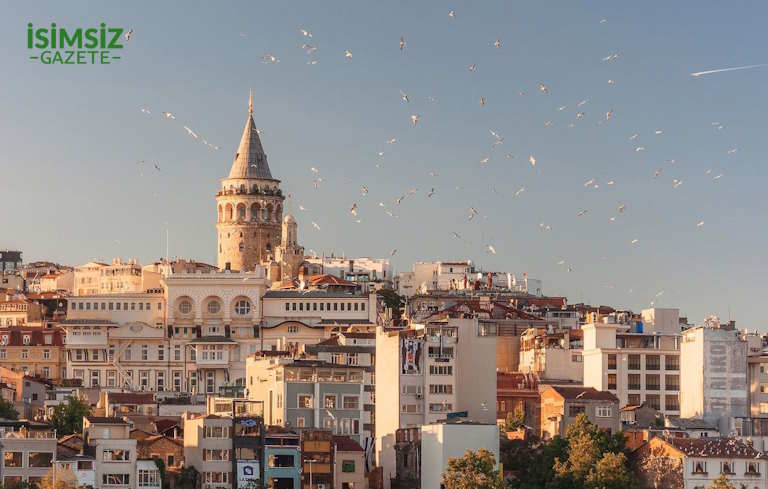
column 250, row 103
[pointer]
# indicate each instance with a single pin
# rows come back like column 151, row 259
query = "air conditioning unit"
column 418, row 395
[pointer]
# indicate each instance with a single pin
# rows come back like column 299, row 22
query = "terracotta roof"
column 332, row 341
column 713, row 447
column 576, row 393
column 346, row 444
column 154, row 438
column 328, row 280
column 37, row 336
column 369, row 336
column 131, row 398
column 163, row 425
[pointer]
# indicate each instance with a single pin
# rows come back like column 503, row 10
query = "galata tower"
column 250, row 206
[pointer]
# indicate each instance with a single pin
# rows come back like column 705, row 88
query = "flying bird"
column 699, row 224
column 473, row 67
column 543, row 88
column 348, row 54
column 497, row 43
column 190, row 132
column 169, row 115
column 404, row 96
column 532, row 160
column 128, row 35
column 491, row 249
column 353, row 209
column 364, row 189
column 415, row 119
column 269, row 58
column 315, row 225
column 402, row 43
column 305, row 32
column 452, row 14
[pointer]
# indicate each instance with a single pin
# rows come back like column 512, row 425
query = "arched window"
column 264, row 214
column 242, row 307
column 221, row 213
column 228, row 212
column 241, row 247
column 255, row 212
column 214, row 307
column 185, row 306
column 241, row 212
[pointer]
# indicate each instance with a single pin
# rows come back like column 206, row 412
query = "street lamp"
column 310, row 462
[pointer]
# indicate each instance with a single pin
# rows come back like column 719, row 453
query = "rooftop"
column 580, row 393
column 714, row 447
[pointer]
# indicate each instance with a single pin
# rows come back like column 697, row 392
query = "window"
column 177, row 381
column 671, row 403
column 216, row 454
column 726, row 467
column 217, row 432
column 40, row 459
column 576, row 357
column 111, row 378
column 612, row 381
column 444, row 407
column 329, row 401
column 2, row 354
column 177, row 353
column 160, row 380
column 300, row 423
column 26, row 339
column 652, row 382
column 634, row 362
column 116, row 455
column 48, row 339
column 12, row 459
column 278, row 461
column 753, row 468
column 293, row 328
column 441, row 389
column 46, row 354
column 305, row 401
column 127, row 353
column 351, row 402
column 214, row 307
column 652, row 362
column 764, row 408
column 161, row 352
column 700, row 467
column 653, row 400
column 46, row 372
column 633, row 399
column 672, row 362
column 440, row 370
column 115, row 479
column 335, row 306
column 672, row 382
column 347, row 465
column 633, row 381
column 575, row 410
column 145, row 352
column 185, row 307
column 604, row 412
column 149, row 478
column 144, row 378
column 25, row 354
column 242, row 307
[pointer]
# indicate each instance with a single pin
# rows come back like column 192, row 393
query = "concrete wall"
column 441, row 442
column 475, row 364
column 387, row 408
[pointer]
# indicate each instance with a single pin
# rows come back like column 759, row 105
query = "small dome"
column 289, row 218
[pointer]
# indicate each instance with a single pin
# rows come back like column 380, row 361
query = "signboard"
column 410, row 356
column 247, row 471
column 457, row 414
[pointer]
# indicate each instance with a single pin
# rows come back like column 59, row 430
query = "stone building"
column 250, row 206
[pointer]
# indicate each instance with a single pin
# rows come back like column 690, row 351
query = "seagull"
column 608, row 115
column 353, row 209
column 348, row 54
column 452, row 14
column 657, row 172
column 473, row 67
column 169, row 115
column 603, row 21
column 399, row 200
column 532, row 160
column 509, row 156
column 482, row 101
column 472, row 213
column 621, row 208
column 404, row 96
column 717, row 177
column 157, row 167
column 415, row 119
column 639, row 149
column 589, row 182
column 635, row 241
column 561, row 262
column 431, row 192
column 633, row 137
column 612, row 57
column 364, row 189
column 146, row 111
column 433, row 174
column 582, row 102
column 312, row 62
column 732, row 150
column 456, row 235
column 581, row 212
column 305, row 32
column 269, row 58
column 579, row 115
column 392, row 253
column 484, row 161
column 128, row 35
column 402, row 43
column 676, row 183
column 611, row 82
column 302, row 208
column 497, row 43
column 543, row 88
column 699, row 224
column 391, row 140
column 314, row 169
column 315, row 225
column 658, row 132
column 545, row 227
column 491, row 249
column 520, row 191
column 190, row 132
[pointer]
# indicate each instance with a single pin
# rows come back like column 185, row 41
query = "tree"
column 187, row 478
column 611, row 473
column 8, row 410
column 515, row 420
column 721, row 483
column 393, row 301
column 161, row 468
column 65, row 479
column 475, row 470
column 660, row 470
column 68, row 416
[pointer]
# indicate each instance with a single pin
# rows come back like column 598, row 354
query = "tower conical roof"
column 250, row 159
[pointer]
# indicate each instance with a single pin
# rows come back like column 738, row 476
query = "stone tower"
column 250, row 206
column 289, row 255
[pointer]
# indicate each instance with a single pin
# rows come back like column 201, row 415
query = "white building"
column 638, row 362
column 442, row 368
column 376, row 268
column 441, row 442
column 713, row 373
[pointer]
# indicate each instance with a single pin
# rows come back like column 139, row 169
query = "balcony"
column 213, row 358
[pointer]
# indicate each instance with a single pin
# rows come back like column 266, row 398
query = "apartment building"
column 714, row 373
column 317, row 459
column 554, row 355
column 35, row 351
column 309, row 394
column 119, row 276
column 208, row 448
column 27, row 450
column 282, row 456
column 637, row 360
column 443, row 367
column 349, row 466
column 109, row 440
column 440, row 442
column 560, row 405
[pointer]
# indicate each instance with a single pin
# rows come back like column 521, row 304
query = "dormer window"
column 4, row 339
column 726, row 468
column 753, row 468
column 700, row 467
column 26, row 339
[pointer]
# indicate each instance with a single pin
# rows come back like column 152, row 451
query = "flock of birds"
column 391, row 208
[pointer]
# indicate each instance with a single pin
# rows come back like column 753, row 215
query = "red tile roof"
column 37, row 336
column 346, row 444
column 328, row 280
column 131, row 398
column 713, row 447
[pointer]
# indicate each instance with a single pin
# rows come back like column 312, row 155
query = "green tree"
column 161, row 467
column 8, row 410
column 393, row 301
column 515, row 420
column 475, row 470
column 68, row 416
column 187, row 478
column 611, row 473
column 721, row 483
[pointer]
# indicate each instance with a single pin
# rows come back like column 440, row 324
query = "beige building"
column 58, row 281
column 638, row 361
column 250, row 206
column 34, row 351
column 114, row 449
column 440, row 442
column 560, row 405
column 208, row 448
column 26, row 450
column 349, row 464
column 550, row 354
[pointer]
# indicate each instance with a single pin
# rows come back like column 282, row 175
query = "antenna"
column 166, row 242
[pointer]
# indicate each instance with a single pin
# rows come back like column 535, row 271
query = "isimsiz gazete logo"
column 82, row 46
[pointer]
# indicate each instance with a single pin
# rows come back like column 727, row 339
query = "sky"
column 71, row 138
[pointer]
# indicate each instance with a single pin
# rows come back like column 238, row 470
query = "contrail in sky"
column 699, row 73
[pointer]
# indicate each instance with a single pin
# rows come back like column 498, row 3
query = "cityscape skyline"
column 317, row 116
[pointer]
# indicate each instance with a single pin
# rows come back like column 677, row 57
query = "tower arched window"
column 264, row 214
column 241, row 247
column 255, row 212
column 241, row 212
column 228, row 210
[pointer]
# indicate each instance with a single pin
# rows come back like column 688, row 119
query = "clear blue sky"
column 71, row 136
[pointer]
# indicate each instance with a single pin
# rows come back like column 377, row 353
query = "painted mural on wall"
column 410, row 358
